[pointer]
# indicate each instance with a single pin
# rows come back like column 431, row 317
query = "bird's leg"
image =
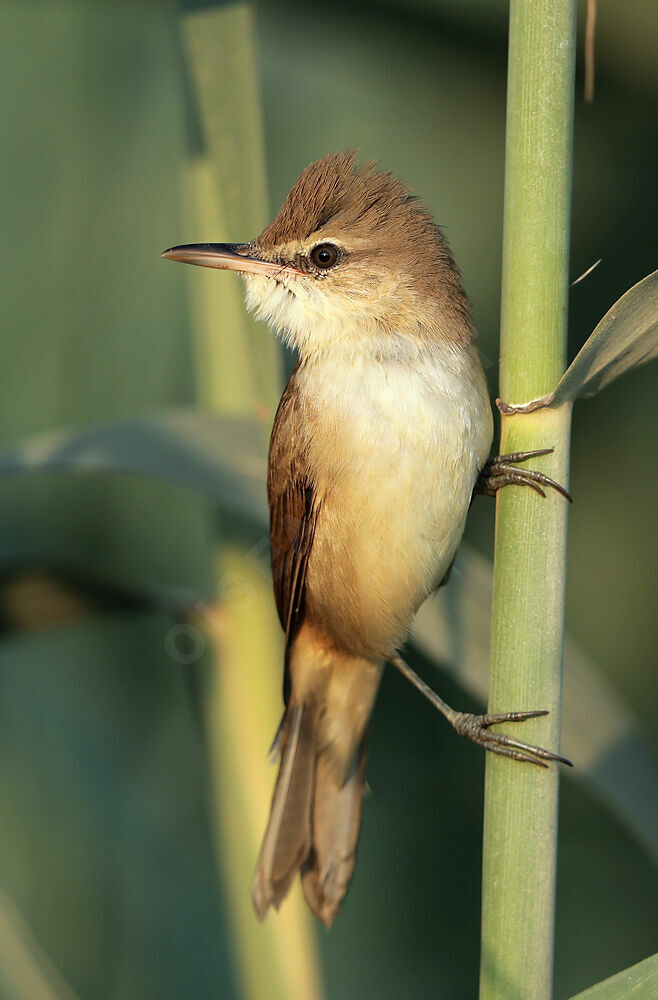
column 502, row 470
column 477, row 727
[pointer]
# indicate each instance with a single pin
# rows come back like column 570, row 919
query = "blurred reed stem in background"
column 520, row 833
column 239, row 370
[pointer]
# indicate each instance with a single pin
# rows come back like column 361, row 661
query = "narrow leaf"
column 639, row 982
column 626, row 337
column 216, row 455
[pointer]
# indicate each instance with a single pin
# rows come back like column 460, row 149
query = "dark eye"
column 325, row 255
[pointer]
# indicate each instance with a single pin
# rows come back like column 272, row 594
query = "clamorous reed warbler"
column 380, row 440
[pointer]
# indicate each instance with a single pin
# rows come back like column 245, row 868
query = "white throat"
column 318, row 322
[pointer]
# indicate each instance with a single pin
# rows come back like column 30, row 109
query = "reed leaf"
column 639, row 982
column 626, row 337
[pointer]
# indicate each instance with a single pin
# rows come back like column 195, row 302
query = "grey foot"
column 477, row 728
column 502, row 471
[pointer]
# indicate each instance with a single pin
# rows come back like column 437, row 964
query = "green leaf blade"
column 626, row 337
column 639, row 982
column 219, row 456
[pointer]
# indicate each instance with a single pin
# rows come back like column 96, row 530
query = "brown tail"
column 314, row 823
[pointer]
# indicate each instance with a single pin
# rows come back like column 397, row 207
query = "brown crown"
column 334, row 190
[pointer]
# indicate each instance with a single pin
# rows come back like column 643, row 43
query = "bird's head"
column 351, row 263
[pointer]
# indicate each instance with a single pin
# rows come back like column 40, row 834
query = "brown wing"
column 293, row 513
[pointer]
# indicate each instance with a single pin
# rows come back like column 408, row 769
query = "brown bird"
column 379, row 442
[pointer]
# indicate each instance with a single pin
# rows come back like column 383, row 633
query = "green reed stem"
column 520, row 830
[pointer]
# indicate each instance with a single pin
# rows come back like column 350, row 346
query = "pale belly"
column 402, row 452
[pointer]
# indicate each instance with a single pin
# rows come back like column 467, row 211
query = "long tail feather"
column 314, row 822
column 336, row 824
column 287, row 840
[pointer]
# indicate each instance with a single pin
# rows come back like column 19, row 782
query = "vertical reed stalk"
column 520, row 828
column 239, row 369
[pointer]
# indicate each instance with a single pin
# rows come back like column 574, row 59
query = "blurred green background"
column 106, row 834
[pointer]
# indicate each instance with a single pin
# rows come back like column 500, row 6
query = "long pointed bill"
column 227, row 257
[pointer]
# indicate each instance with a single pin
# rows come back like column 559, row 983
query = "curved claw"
column 493, row 718
column 506, row 475
column 476, row 728
column 527, row 477
column 504, row 751
column 501, row 471
column 523, row 456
